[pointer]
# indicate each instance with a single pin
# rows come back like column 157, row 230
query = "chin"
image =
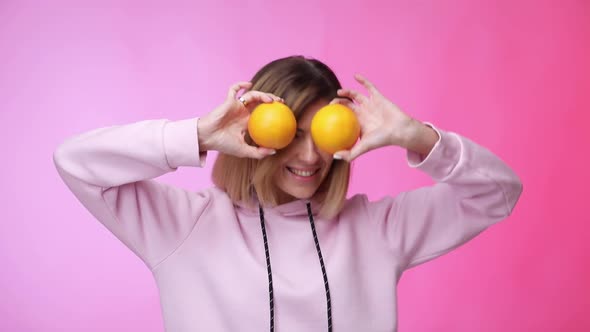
column 302, row 194
column 296, row 194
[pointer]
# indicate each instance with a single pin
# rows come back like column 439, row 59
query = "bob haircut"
column 300, row 82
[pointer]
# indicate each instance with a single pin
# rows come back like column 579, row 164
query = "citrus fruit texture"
column 334, row 128
column 272, row 125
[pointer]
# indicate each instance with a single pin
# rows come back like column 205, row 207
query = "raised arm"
column 474, row 187
column 474, row 190
column 111, row 171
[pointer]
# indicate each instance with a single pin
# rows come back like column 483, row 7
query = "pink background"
column 512, row 75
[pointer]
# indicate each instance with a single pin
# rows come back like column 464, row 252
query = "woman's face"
column 302, row 166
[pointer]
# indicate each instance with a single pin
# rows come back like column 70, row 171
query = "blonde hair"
column 300, row 82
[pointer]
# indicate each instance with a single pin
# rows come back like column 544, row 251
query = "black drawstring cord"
column 326, row 285
column 268, row 268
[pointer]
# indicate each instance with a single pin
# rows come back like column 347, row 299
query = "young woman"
column 276, row 244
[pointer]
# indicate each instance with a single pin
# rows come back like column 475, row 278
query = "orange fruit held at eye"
column 272, row 125
column 334, row 128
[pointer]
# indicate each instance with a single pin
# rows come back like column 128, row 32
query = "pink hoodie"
column 207, row 254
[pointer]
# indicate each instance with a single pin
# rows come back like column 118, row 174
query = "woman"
column 276, row 243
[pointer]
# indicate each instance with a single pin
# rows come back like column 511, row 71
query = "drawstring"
column 326, row 285
column 268, row 268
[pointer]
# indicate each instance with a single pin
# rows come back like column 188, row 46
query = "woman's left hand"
column 382, row 122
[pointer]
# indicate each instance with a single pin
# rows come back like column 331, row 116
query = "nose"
column 308, row 151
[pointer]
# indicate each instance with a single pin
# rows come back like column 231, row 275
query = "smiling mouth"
column 305, row 174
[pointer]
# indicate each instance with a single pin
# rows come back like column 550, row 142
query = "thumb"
column 350, row 155
column 342, row 155
column 257, row 152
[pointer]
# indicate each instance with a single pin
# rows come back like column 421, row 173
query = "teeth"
column 302, row 173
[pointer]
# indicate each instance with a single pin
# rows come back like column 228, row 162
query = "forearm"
column 117, row 155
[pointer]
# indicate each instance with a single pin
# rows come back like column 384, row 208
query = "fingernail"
column 337, row 157
column 273, row 152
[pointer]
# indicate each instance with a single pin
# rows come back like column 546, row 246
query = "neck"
column 284, row 198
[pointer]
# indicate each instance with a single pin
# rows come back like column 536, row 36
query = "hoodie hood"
column 291, row 209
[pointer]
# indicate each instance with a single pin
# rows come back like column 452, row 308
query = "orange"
column 335, row 128
column 272, row 125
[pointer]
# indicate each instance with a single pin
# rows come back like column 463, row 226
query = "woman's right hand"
column 224, row 129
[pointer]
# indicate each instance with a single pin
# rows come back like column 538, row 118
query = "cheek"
column 286, row 154
column 279, row 171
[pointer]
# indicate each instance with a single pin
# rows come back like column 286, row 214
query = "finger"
column 339, row 100
column 233, row 90
column 342, row 155
column 345, row 102
column 358, row 149
column 256, row 97
column 350, row 155
column 276, row 98
column 257, row 152
column 367, row 84
column 342, row 101
column 356, row 96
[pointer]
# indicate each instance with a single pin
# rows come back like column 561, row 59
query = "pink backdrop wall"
column 512, row 75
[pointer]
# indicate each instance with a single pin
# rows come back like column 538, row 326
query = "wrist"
column 203, row 135
column 419, row 138
column 406, row 136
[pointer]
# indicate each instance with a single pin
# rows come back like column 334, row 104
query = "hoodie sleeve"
column 111, row 171
column 474, row 189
